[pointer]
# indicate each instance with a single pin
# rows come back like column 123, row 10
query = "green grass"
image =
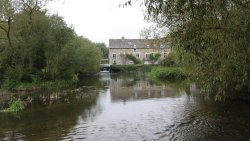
column 168, row 73
column 131, row 68
column 15, row 106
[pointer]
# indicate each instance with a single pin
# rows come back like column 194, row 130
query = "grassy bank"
column 131, row 68
column 13, row 85
column 15, row 106
column 168, row 73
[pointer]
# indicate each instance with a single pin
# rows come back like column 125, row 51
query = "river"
column 127, row 108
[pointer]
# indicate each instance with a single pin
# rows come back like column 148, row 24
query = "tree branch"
column 5, row 30
column 3, row 21
column 8, row 31
column 244, row 5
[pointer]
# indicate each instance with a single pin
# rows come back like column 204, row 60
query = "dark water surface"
column 127, row 109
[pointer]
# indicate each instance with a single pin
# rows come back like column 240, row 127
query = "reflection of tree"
column 139, row 88
column 51, row 115
column 200, row 118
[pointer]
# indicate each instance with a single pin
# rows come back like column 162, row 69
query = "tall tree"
column 212, row 38
column 104, row 50
column 6, row 16
column 36, row 46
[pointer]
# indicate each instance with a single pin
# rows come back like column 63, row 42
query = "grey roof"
column 137, row 43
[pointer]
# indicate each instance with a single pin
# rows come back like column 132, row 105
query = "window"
column 146, row 62
column 147, row 56
column 137, row 55
column 130, row 62
column 114, row 56
column 165, row 55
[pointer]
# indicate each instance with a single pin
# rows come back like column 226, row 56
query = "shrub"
column 170, row 74
column 133, row 58
column 170, row 60
column 130, row 68
column 153, row 57
column 16, row 106
column 11, row 82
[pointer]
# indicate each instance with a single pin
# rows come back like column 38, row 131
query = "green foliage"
column 16, row 106
column 130, row 68
column 11, row 80
column 212, row 41
column 77, row 56
column 133, row 58
column 166, row 73
column 103, row 49
column 171, row 60
column 43, row 48
column 153, row 57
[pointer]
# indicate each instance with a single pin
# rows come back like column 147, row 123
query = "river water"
column 127, row 108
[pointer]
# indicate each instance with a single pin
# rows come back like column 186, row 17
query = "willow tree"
column 212, row 38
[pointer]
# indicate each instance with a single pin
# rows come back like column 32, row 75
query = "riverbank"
column 44, row 97
column 168, row 73
column 154, row 71
column 127, row 107
column 131, row 68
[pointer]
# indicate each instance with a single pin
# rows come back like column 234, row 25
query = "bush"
column 16, row 106
column 133, row 58
column 130, row 68
column 153, row 57
column 170, row 60
column 11, row 82
column 168, row 73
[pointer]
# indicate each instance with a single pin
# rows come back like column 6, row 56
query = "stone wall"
column 118, row 55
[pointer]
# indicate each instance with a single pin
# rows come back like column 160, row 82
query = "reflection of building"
column 129, row 89
column 140, row 48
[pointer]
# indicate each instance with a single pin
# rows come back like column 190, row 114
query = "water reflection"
column 127, row 89
column 49, row 117
column 127, row 108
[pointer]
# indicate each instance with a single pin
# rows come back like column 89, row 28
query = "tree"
column 133, row 58
column 212, row 39
column 171, row 59
column 153, row 32
column 6, row 16
column 153, row 57
column 103, row 49
column 36, row 46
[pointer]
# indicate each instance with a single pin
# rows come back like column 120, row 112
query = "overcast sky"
column 100, row 20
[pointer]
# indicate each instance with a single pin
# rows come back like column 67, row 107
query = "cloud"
column 100, row 20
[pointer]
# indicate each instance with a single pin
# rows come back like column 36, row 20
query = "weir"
column 105, row 67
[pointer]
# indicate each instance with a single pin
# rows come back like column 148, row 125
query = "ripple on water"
column 170, row 119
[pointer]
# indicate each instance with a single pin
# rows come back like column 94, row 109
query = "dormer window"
column 134, row 47
column 161, row 47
